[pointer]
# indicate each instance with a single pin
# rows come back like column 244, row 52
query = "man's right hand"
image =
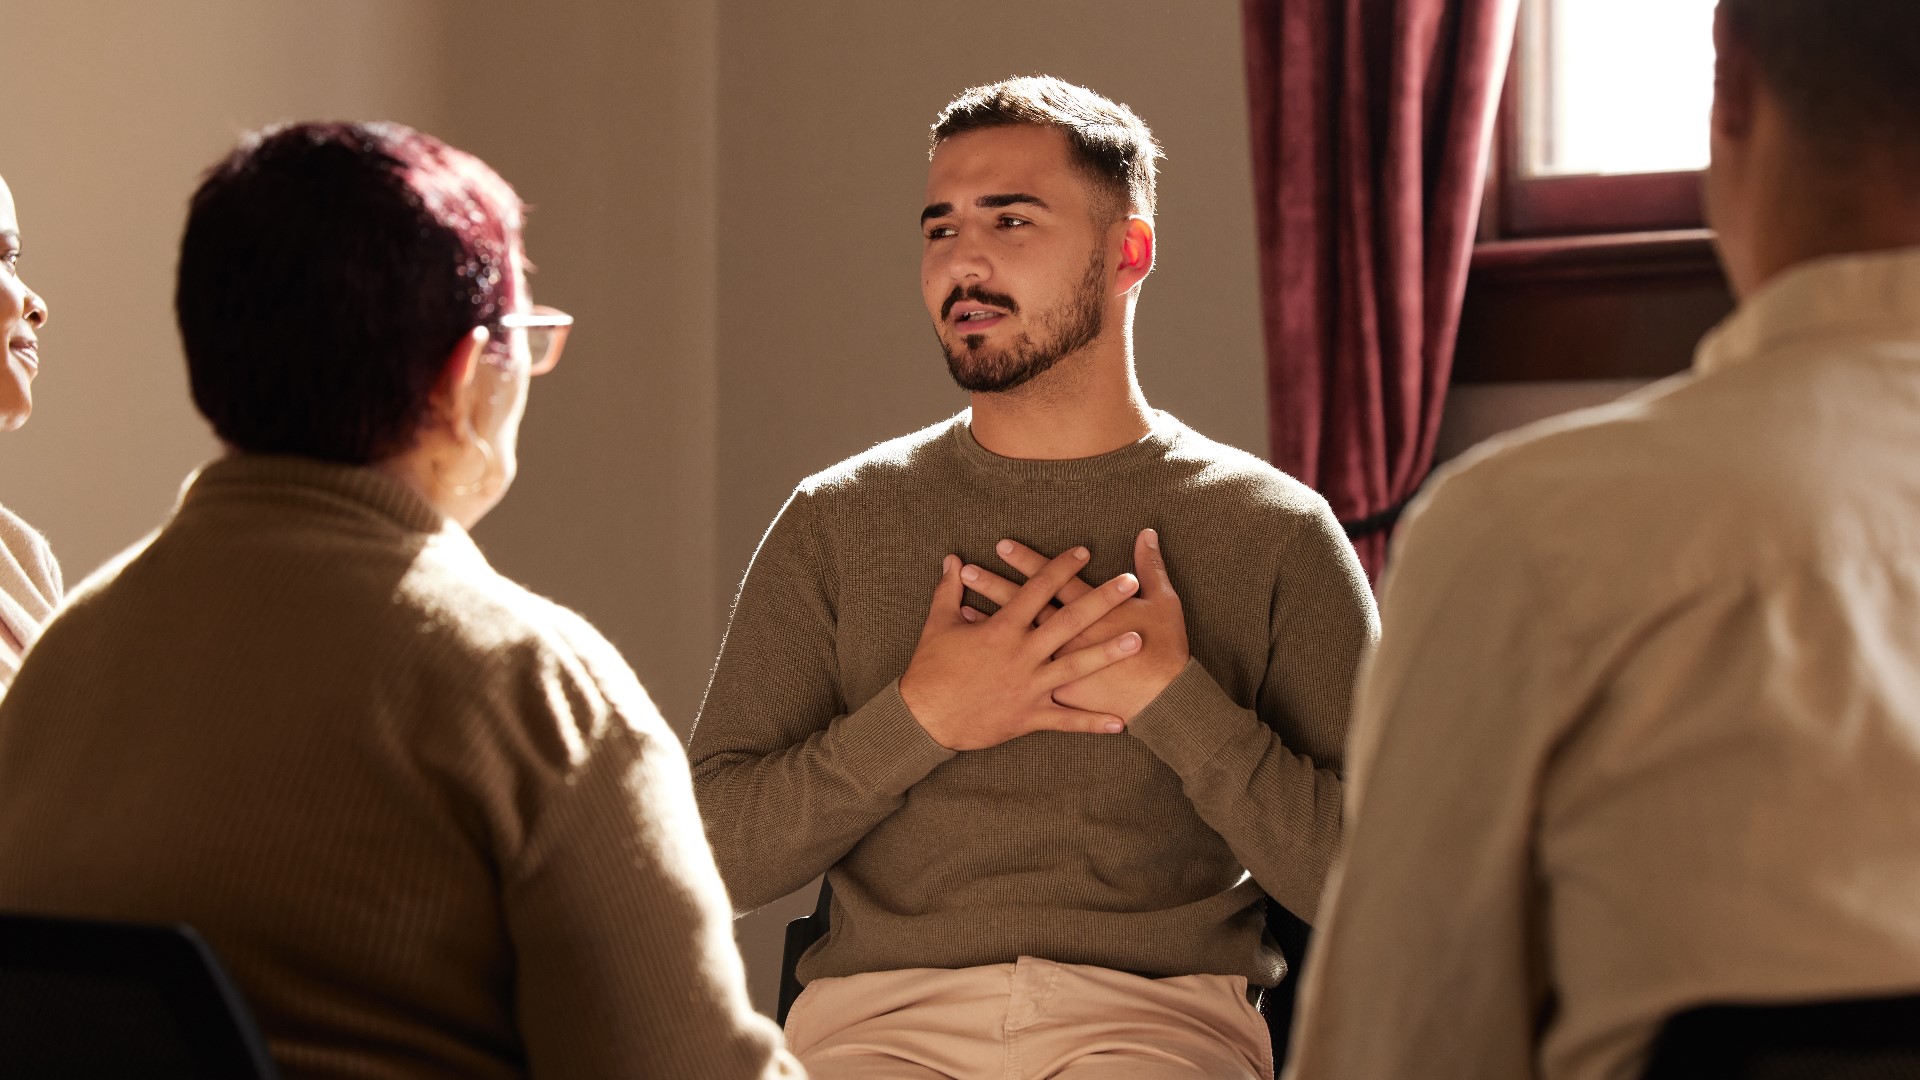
column 978, row 682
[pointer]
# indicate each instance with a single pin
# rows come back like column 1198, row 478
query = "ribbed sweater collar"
column 1108, row 466
column 355, row 483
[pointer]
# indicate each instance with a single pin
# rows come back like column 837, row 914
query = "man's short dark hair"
column 327, row 273
column 1104, row 138
column 1847, row 71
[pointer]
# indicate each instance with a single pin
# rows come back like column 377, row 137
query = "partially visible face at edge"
column 500, row 389
column 1014, row 266
column 22, row 314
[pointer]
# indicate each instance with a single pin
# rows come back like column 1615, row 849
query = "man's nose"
column 37, row 312
column 967, row 261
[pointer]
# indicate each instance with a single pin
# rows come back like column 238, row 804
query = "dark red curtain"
column 1371, row 126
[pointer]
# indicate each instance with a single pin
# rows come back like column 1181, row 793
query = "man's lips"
column 976, row 306
column 975, row 316
column 26, row 349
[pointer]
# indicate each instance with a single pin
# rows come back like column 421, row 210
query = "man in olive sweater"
column 1052, row 812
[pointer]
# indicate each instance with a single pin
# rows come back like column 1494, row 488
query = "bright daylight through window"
column 1615, row 87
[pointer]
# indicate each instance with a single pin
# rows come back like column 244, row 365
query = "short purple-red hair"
column 327, row 273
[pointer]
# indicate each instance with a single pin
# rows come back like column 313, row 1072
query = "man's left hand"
column 1154, row 613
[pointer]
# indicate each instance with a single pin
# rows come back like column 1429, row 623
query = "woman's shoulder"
column 30, row 551
column 518, row 639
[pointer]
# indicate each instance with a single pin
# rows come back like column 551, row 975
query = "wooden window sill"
column 1667, row 254
column 1620, row 306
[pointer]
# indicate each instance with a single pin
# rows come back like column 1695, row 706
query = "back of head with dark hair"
column 1105, row 139
column 327, row 273
column 1847, row 71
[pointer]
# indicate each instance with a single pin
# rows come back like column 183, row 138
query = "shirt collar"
column 1874, row 295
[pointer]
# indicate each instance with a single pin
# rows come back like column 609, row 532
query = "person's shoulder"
column 1558, row 475
column 32, row 553
column 895, row 461
column 1574, row 455
column 92, row 604
column 519, row 647
column 1218, row 471
column 14, row 526
column 1661, row 454
column 1661, row 491
column 573, row 647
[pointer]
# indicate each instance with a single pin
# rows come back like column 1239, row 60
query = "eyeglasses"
column 545, row 330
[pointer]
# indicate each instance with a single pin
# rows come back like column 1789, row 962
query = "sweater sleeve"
column 1269, row 779
column 788, row 777
column 625, row 962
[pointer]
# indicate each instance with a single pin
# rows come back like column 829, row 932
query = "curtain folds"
column 1371, row 121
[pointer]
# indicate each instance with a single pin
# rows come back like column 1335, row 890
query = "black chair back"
column 801, row 934
column 1856, row 1039
column 1293, row 935
column 95, row 999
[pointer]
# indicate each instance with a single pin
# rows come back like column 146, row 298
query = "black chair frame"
column 44, row 961
column 1854, row 1039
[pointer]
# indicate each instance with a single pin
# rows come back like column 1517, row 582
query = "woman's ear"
column 454, row 399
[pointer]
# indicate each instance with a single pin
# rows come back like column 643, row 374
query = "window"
column 1593, row 262
column 1618, row 87
column 1604, row 124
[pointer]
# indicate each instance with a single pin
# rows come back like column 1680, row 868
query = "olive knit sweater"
column 1128, row 851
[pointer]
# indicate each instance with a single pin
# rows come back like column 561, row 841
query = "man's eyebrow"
column 986, row 202
column 995, row 202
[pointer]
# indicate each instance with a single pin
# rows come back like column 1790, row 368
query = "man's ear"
column 1735, row 81
column 1136, row 253
column 453, row 392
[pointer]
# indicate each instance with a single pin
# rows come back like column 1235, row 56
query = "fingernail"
column 968, row 573
column 1004, row 547
column 1153, row 540
column 1128, row 583
column 1082, row 554
column 1130, row 643
column 946, row 565
column 1115, row 727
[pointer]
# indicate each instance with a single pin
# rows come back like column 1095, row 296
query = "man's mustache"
column 978, row 295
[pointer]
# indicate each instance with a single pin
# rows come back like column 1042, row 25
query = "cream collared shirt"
column 1643, row 729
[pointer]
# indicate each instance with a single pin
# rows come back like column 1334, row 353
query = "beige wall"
column 114, row 109
column 606, row 123
column 725, row 195
column 607, row 126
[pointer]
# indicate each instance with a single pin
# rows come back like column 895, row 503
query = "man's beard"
column 1064, row 331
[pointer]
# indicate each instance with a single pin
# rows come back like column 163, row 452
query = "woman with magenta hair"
column 430, row 820
column 29, row 577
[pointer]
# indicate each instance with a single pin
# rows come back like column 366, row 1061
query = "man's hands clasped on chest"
column 1154, row 616
column 977, row 681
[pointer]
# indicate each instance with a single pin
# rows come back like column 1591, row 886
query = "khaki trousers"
column 1031, row 1020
